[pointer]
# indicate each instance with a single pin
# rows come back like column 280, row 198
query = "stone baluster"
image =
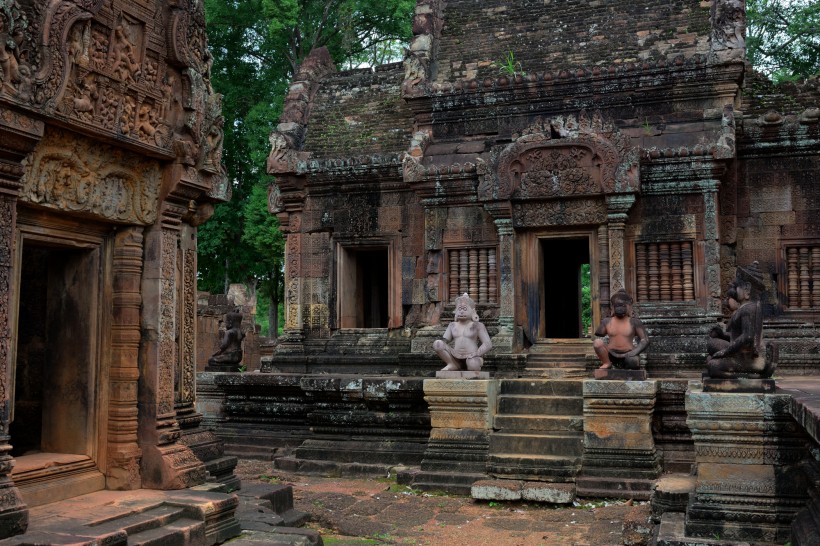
column 805, row 292
column 815, row 277
column 463, row 272
column 688, row 272
column 654, row 273
column 793, row 277
column 454, row 273
column 492, row 276
column 641, row 272
column 664, row 260
column 473, row 272
column 676, row 270
column 482, row 275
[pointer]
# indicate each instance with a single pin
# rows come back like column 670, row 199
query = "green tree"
column 257, row 46
column 783, row 38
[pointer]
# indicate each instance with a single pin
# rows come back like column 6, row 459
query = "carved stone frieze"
column 188, row 371
column 73, row 174
column 728, row 30
column 555, row 213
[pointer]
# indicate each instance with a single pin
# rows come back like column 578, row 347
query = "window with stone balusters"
column 474, row 271
column 664, row 271
column 802, row 282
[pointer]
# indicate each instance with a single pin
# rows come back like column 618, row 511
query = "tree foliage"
column 783, row 38
column 257, row 46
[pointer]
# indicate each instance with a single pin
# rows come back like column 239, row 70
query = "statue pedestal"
column 620, row 459
column 469, row 374
column 749, row 485
column 619, row 375
column 739, row 385
column 461, row 417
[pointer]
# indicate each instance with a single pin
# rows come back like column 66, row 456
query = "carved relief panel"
column 73, row 174
column 138, row 71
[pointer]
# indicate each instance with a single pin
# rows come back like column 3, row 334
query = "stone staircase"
column 560, row 358
column 538, row 430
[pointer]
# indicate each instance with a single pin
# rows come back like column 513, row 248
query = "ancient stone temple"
column 515, row 144
column 110, row 157
column 519, row 147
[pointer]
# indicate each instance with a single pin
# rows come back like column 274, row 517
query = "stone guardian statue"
column 229, row 355
column 465, row 332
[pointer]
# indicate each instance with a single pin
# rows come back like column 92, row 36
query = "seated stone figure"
column 738, row 350
column 465, row 332
column 621, row 328
column 229, row 355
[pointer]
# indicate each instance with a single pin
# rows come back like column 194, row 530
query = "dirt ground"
column 354, row 512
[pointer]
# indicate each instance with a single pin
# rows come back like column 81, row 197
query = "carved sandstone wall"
column 110, row 142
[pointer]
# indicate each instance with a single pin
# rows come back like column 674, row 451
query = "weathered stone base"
column 468, row 374
column 671, row 533
column 514, row 490
column 740, row 385
column 619, row 457
column 13, row 511
column 671, row 494
column 750, row 485
column 171, row 467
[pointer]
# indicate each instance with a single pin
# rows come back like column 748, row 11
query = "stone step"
column 541, row 387
column 509, row 423
column 182, row 532
column 556, row 373
column 566, row 444
column 366, row 452
column 138, row 522
column 522, row 404
column 544, row 468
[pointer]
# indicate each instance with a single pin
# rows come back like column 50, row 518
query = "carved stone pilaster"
column 620, row 459
column 166, row 462
column 617, row 213
column 123, row 450
column 503, row 341
column 19, row 135
column 712, row 245
column 748, row 452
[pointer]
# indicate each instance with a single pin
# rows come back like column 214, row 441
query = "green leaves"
column 257, row 47
column 783, row 38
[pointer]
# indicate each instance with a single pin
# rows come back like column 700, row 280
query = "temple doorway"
column 363, row 287
column 567, row 293
column 54, row 427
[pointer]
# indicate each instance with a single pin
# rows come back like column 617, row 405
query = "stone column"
column 748, row 449
column 461, row 417
column 620, row 459
column 166, row 462
column 503, row 341
column 19, row 135
column 617, row 213
column 712, row 245
column 124, row 454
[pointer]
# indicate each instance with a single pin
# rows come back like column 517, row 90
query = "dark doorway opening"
column 364, row 288
column 54, row 369
column 566, row 277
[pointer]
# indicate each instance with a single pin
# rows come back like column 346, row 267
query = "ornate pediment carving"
column 565, row 157
column 136, row 71
column 74, row 174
